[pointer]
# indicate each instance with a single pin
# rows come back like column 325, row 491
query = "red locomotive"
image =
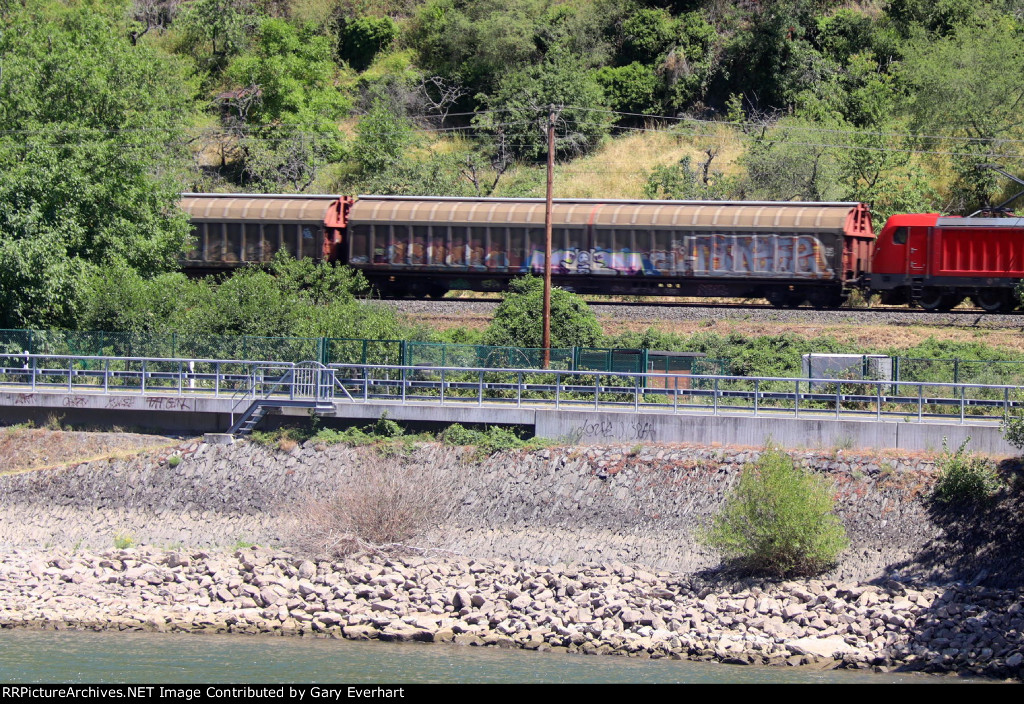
column 786, row 252
column 936, row 261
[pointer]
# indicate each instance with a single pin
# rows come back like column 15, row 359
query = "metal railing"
column 143, row 375
column 714, row 394
column 238, row 380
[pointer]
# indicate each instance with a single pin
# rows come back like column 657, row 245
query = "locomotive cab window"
column 900, row 235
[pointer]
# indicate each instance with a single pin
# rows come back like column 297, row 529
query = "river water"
column 151, row 658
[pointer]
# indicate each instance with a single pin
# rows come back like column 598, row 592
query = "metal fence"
column 958, row 370
column 911, row 401
column 715, row 394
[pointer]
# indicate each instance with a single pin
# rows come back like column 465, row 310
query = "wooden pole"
column 546, row 343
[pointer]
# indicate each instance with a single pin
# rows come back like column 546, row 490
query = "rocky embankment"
column 606, row 609
column 590, row 549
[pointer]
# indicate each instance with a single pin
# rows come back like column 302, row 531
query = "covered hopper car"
column 788, row 253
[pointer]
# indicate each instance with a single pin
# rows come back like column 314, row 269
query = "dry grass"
column 23, row 449
column 381, row 506
column 619, row 169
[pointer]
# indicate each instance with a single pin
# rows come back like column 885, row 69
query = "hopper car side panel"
column 702, row 249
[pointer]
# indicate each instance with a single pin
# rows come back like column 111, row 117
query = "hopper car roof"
column 851, row 218
column 233, row 207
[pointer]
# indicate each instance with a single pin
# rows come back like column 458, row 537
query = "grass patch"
column 123, row 541
column 494, row 439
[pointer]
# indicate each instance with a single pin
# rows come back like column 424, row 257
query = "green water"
column 148, row 658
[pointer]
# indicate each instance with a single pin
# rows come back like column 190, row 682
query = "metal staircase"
column 306, row 385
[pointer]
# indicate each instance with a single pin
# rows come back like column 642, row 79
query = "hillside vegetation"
column 109, row 110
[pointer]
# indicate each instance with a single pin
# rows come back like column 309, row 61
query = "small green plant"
column 1013, row 431
column 123, row 541
column 636, row 450
column 387, row 428
column 243, row 544
column 964, row 477
column 173, row 460
column 778, row 520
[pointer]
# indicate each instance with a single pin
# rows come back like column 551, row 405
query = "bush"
column 382, row 505
column 778, row 521
column 518, row 321
column 1013, row 431
column 964, row 477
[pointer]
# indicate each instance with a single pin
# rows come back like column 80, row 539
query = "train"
column 790, row 253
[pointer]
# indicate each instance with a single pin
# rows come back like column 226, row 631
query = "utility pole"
column 546, row 343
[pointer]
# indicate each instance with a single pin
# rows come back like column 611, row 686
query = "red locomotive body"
column 937, row 261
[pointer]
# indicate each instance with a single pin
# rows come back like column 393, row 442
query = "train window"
column 458, row 250
column 310, row 237
column 900, row 236
column 271, row 240
column 290, row 239
column 253, row 239
column 359, row 244
column 477, row 240
column 233, row 246
column 214, row 242
column 398, row 245
column 497, row 248
column 196, row 251
column 418, row 245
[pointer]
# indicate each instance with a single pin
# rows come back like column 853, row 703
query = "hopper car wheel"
column 785, row 299
column 825, row 299
column 992, row 300
column 933, row 299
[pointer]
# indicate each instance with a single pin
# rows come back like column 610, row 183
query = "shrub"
column 381, row 506
column 518, row 320
column 1013, row 431
column 778, row 520
column 964, row 477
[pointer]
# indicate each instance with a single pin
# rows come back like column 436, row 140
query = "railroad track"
column 688, row 311
column 755, row 306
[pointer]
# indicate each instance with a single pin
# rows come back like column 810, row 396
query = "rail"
column 910, row 401
column 215, row 378
column 317, row 385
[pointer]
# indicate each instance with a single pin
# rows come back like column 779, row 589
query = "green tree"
column 213, row 31
column 92, row 138
column 681, row 181
column 966, row 85
column 362, row 38
column 518, row 321
column 518, row 110
column 778, row 520
column 286, row 105
column 382, row 136
column 633, row 88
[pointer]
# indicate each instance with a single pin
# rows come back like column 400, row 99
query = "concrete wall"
column 204, row 414
column 589, row 427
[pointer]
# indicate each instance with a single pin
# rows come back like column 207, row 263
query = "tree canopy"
column 92, row 140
